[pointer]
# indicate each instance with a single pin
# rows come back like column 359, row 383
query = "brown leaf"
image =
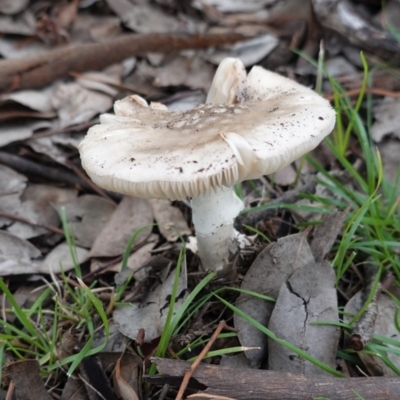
column 28, row 382
column 126, row 380
column 66, row 347
column 13, row 6
column 131, row 214
column 308, row 296
column 152, row 312
column 390, row 150
column 59, row 259
column 76, row 105
column 74, row 389
column 326, row 233
column 171, row 222
column 268, row 272
column 37, row 204
column 144, row 18
column 88, row 215
column 17, row 256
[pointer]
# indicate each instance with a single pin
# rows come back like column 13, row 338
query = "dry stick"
column 189, row 373
column 10, row 391
column 356, row 92
column 28, row 167
column 113, row 261
column 71, row 129
column 253, row 384
column 30, row 222
column 42, row 69
column 88, row 181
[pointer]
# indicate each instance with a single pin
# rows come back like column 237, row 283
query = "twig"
column 113, row 261
column 28, row 167
column 356, row 92
column 88, row 182
column 189, row 373
column 70, row 129
column 10, row 391
column 42, row 69
column 246, row 384
column 30, row 222
column 31, row 168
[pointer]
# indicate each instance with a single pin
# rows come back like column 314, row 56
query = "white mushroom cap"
column 149, row 152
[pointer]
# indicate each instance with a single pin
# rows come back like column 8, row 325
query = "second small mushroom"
column 251, row 125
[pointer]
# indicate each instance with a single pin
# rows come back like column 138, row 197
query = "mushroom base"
column 213, row 217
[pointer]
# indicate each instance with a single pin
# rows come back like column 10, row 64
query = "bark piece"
column 270, row 385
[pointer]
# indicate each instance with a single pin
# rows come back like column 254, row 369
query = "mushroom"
column 251, row 126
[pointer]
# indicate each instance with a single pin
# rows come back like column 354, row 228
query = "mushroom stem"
column 213, row 217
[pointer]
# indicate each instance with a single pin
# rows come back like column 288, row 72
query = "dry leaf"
column 231, row 6
column 193, row 72
column 126, row 380
column 76, row 105
column 38, row 204
column 135, row 261
column 12, row 184
column 151, row 314
column 22, row 24
column 171, row 222
column 59, row 147
column 38, row 100
column 17, row 256
column 268, row 272
column 74, row 389
column 59, row 259
column 390, row 150
column 15, row 131
column 103, row 81
column 326, row 233
column 387, row 116
column 285, row 176
column 131, row 214
column 308, row 296
column 249, row 51
column 13, row 6
column 87, row 216
column 29, row 385
column 144, row 18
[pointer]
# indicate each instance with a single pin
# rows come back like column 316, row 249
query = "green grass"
column 38, row 330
